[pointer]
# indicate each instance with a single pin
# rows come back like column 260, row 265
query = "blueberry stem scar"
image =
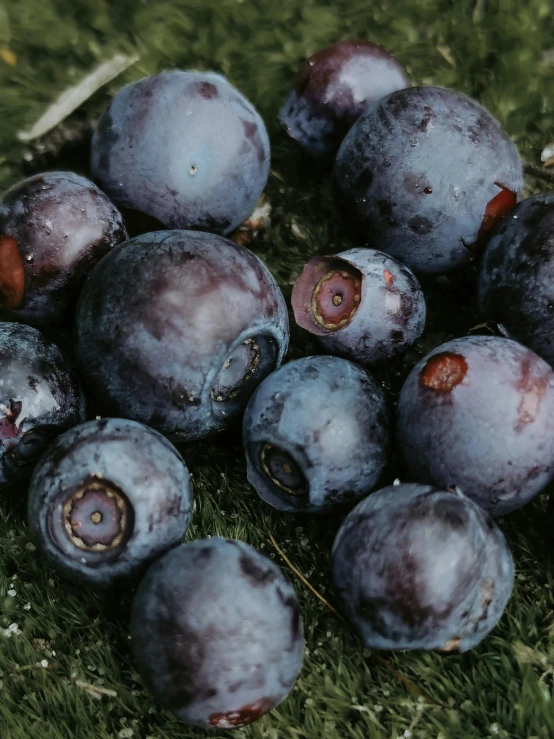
column 248, row 354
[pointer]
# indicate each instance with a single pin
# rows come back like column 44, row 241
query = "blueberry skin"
column 331, row 91
column 217, row 634
column 176, row 328
column 39, row 398
column 516, row 283
column 381, row 308
column 421, row 568
column 423, row 175
column 62, row 224
column 181, row 150
column 128, row 476
column 316, row 435
column 478, row 413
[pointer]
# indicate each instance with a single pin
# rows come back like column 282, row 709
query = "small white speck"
column 12, row 593
column 396, row 483
column 494, row 728
column 27, row 607
column 44, row 663
column 407, row 734
column 98, row 418
column 83, row 560
column 126, row 733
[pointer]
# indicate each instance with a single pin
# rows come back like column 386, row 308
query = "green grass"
column 499, row 51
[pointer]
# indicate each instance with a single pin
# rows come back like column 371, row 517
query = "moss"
column 499, row 51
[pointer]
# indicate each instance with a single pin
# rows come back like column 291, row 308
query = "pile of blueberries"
column 180, row 331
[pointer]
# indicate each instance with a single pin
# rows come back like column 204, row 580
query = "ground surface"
column 499, row 51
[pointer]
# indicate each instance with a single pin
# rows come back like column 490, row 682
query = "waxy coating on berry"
column 361, row 304
column 418, row 567
column 176, row 329
column 216, row 633
column 478, row 413
column 54, row 227
column 202, row 164
column 424, row 174
column 107, row 498
column 316, row 435
column 331, row 91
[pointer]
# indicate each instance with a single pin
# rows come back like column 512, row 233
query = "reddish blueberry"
column 331, row 91
column 54, row 227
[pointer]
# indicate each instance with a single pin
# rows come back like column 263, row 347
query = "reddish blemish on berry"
column 443, row 372
column 532, row 390
column 502, row 203
column 12, row 273
column 243, row 716
column 8, row 423
column 389, row 278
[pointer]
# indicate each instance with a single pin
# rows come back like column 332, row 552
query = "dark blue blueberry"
column 516, row 285
column 107, row 498
column 39, row 398
column 424, row 174
column 421, row 568
column 181, row 150
column 177, row 328
column 217, row 633
column 478, row 412
column 316, row 435
column 53, row 228
column 332, row 89
column 361, row 304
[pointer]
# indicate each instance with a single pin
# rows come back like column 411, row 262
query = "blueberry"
column 106, row 498
column 421, row 568
column 361, row 304
column 424, row 174
column 332, row 89
column 39, row 398
column 217, row 633
column 181, row 150
column 478, row 412
column 53, row 228
column 177, row 328
column 316, row 435
column 516, row 285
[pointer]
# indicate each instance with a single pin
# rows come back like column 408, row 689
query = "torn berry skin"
column 360, row 304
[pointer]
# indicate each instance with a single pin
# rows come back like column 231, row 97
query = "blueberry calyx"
column 237, row 370
column 335, row 299
column 95, row 518
column 283, row 470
